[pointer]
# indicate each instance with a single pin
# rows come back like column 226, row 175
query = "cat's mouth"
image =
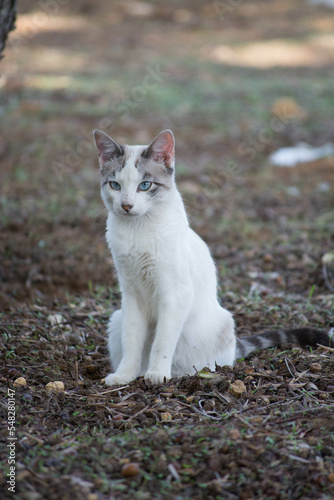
column 129, row 214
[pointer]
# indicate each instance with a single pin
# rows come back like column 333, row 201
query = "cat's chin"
column 129, row 215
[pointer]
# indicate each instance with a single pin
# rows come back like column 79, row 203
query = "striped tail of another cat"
column 272, row 338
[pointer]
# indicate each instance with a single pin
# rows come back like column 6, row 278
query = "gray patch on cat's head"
column 111, row 154
column 154, row 171
column 157, row 159
column 109, row 168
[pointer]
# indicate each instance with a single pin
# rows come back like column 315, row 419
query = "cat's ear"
column 107, row 147
column 162, row 148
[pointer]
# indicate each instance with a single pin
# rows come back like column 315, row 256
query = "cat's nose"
column 127, row 208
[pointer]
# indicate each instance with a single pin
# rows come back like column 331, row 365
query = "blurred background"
column 234, row 80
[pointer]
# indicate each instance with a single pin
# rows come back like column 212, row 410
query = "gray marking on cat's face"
column 155, row 171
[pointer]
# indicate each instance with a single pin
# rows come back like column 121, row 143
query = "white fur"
column 170, row 321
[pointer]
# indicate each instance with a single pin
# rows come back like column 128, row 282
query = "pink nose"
column 127, row 208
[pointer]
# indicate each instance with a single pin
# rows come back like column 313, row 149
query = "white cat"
column 171, row 320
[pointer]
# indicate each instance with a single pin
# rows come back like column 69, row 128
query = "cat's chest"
column 136, row 254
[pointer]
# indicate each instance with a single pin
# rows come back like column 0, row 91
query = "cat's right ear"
column 107, row 147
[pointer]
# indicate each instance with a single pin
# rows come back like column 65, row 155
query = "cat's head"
column 135, row 179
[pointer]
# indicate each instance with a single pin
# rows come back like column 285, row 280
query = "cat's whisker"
column 101, row 212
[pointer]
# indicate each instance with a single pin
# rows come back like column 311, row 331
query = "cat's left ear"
column 107, row 147
column 162, row 148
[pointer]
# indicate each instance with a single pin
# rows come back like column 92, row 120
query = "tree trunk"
column 7, row 20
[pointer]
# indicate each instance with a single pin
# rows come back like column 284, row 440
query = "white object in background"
column 301, row 153
column 326, row 3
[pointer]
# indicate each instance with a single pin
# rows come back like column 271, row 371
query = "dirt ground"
column 234, row 81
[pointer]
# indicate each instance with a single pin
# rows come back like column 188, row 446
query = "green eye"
column 145, row 186
column 115, row 185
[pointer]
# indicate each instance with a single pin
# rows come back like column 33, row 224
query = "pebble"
column 55, row 319
column 166, row 416
column 56, row 386
column 20, row 382
column 131, row 469
column 190, row 399
column 90, row 369
column 13, row 373
column 27, row 397
column 316, row 367
column 234, row 434
column 268, row 258
column 237, row 388
column 118, row 417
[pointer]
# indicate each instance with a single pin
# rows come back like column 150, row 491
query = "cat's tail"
column 272, row 338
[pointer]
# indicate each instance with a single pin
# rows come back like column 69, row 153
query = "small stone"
column 315, row 367
column 264, row 400
column 166, row 416
column 118, row 417
column 92, row 496
column 190, row 399
column 55, row 319
column 171, row 389
column 56, row 386
column 27, row 397
column 257, row 420
column 323, row 395
column 90, row 369
column 20, row 382
column 215, row 486
column 268, row 258
column 237, row 388
column 13, row 373
column 234, row 434
column 131, row 469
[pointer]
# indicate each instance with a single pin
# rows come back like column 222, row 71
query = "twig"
column 329, row 349
column 244, row 421
column 287, row 365
column 38, row 440
column 173, row 472
column 6, row 368
column 135, row 415
column 299, row 459
column 76, row 374
column 305, row 410
column 111, row 390
column 205, row 413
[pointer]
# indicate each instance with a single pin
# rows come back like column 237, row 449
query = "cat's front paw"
column 118, row 379
column 156, row 377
